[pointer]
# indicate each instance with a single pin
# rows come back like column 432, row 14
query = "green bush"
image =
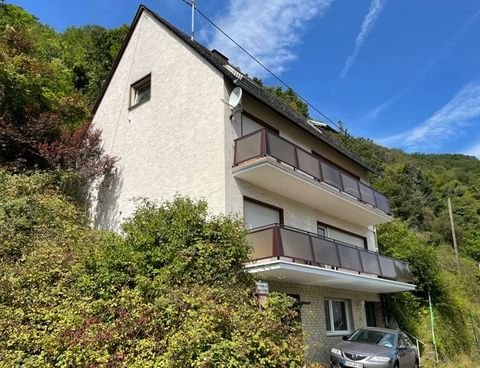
column 171, row 291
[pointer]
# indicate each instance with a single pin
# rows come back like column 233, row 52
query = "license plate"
column 353, row 364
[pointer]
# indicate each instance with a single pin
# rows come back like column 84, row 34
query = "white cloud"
column 268, row 29
column 447, row 122
column 376, row 7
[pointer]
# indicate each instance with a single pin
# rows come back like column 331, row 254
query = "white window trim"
column 347, row 313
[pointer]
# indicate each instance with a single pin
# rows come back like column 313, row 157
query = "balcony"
column 284, row 253
column 267, row 160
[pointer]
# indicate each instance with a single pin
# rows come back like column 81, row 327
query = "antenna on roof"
column 193, row 19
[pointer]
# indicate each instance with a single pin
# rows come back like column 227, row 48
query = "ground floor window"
column 337, row 316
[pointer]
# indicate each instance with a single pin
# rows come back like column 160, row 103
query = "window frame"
column 134, row 87
column 327, row 226
column 348, row 311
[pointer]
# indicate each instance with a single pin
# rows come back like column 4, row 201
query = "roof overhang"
column 280, row 270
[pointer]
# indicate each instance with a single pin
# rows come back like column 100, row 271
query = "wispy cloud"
column 377, row 110
column 376, row 7
column 473, row 150
column 447, row 122
column 268, row 29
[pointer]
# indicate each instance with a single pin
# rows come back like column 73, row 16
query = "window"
column 250, row 124
column 140, row 91
column 337, row 316
column 341, row 235
column 257, row 214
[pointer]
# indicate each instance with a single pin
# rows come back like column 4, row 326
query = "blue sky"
column 404, row 73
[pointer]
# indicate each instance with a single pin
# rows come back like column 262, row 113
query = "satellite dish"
column 235, row 97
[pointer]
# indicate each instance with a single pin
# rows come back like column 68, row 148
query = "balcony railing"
column 263, row 143
column 283, row 242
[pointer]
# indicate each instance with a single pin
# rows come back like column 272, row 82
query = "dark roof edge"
column 256, row 91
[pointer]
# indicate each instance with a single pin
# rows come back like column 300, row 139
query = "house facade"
column 311, row 213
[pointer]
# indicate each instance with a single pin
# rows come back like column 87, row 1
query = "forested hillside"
column 74, row 296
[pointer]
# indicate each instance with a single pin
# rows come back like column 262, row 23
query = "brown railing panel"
column 387, row 266
column 382, row 202
column 281, row 149
column 248, row 147
column 350, row 185
column 331, row 175
column 296, row 245
column 264, row 142
column 403, row 271
column 308, row 247
column 349, row 258
column 370, row 263
column 367, row 194
column 308, row 164
column 262, row 243
column 325, row 252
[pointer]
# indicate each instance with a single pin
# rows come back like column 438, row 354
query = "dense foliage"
column 45, row 118
column 418, row 186
column 170, row 292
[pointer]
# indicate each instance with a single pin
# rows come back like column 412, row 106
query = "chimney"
column 218, row 56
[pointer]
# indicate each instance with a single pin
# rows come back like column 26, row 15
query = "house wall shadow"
column 106, row 212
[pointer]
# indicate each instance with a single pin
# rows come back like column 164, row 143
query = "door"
column 370, row 314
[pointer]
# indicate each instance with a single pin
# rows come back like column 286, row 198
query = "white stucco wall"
column 174, row 143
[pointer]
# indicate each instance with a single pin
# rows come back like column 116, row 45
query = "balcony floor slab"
column 279, row 178
column 281, row 270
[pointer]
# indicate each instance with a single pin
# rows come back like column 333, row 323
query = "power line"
column 265, row 67
column 341, row 129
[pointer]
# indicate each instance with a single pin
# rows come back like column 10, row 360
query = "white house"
column 307, row 201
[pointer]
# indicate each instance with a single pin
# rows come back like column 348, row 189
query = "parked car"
column 375, row 348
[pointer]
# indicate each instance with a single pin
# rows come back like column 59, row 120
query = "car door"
column 411, row 349
column 406, row 352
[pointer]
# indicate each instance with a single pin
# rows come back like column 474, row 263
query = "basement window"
column 140, row 91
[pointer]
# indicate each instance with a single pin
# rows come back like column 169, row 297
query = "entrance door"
column 370, row 314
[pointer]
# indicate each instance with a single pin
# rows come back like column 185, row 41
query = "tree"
column 288, row 96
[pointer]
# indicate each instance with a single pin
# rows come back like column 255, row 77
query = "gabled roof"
column 236, row 78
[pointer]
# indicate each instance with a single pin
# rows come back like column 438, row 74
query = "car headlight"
column 336, row 351
column 380, row 359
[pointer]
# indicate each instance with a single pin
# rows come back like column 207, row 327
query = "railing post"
column 360, row 259
column 338, row 253
column 311, row 249
column 297, row 164
column 263, row 145
column 379, row 265
column 277, row 242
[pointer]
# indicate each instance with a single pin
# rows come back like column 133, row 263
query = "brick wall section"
column 316, row 341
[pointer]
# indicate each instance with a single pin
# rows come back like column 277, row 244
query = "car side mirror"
column 345, row 338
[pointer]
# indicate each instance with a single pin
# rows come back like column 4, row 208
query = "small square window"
column 140, row 91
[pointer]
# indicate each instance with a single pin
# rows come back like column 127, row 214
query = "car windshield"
column 373, row 337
